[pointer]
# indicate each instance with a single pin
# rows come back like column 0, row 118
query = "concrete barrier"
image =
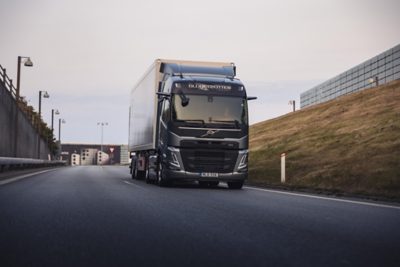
column 25, row 163
column 18, row 135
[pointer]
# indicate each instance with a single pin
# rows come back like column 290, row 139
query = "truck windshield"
column 210, row 111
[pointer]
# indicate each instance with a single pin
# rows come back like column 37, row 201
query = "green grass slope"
column 350, row 144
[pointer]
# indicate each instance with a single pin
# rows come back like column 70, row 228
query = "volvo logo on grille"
column 209, row 132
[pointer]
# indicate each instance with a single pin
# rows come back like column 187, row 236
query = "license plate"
column 209, row 174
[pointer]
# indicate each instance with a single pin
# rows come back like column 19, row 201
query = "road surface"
column 98, row 216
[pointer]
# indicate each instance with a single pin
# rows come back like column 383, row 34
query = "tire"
column 135, row 173
column 161, row 178
column 147, row 175
column 132, row 172
column 235, row 185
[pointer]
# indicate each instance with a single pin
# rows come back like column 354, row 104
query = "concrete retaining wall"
column 26, row 138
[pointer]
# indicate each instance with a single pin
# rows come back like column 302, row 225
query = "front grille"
column 207, row 160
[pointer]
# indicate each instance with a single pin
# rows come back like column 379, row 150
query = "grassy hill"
column 350, row 144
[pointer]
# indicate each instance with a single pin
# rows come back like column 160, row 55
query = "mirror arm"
column 251, row 98
column 162, row 95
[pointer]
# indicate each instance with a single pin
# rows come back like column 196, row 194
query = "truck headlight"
column 173, row 157
column 243, row 161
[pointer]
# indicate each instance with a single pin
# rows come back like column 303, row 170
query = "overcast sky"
column 89, row 54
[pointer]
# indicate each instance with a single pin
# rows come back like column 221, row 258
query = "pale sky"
column 89, row 54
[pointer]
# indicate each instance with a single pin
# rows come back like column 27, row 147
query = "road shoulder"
column 12, row 176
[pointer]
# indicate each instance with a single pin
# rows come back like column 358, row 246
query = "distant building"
column 380, row 69
column 88, row 154
column 75, row 159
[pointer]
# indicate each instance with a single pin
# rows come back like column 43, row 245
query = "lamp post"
column 293, row 103
column 59, row 134
column 102, row 124
column 53, row 112
column 45, row 95
column 56, row 112
column 27, row 63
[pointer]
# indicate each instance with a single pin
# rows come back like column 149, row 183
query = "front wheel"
column 161, row 176
column 235, row 185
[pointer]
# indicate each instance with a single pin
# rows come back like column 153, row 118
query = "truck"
column 188, row 121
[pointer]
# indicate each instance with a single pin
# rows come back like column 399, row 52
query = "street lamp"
column 45, row 95
column 59, row 134
column 53, row 112
column 102, row 124
column 293, row 103
column 27, row 63
column 59, row 129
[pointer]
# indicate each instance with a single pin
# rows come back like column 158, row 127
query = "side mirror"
column 184, row 99
column 251, row 98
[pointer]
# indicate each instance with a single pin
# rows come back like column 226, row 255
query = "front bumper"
column 192, row 176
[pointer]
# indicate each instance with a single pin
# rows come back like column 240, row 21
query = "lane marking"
column 127, row 182
column 325, row 198
column 17, row 178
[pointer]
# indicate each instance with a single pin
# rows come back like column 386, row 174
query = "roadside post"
column 283, row 173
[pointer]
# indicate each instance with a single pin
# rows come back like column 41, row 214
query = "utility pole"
column 102, row 124
column 293, row 103
column 45, row 95
column 27, row 63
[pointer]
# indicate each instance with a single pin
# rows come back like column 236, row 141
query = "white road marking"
column 14, row 179
column 127, row 182
column 325, row 198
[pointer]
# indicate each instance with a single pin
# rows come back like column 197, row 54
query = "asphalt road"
column 98, row 216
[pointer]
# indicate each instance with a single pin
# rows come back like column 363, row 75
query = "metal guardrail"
column 25, row 163
column 8, row 83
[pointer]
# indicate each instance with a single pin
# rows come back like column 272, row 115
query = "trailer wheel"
column 132, row 170
column 135, row 173
column 147, row 175
column 235, row 185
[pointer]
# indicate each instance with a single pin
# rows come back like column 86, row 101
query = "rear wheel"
column 235, row 185
column 134, row 171
column 147, row 175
